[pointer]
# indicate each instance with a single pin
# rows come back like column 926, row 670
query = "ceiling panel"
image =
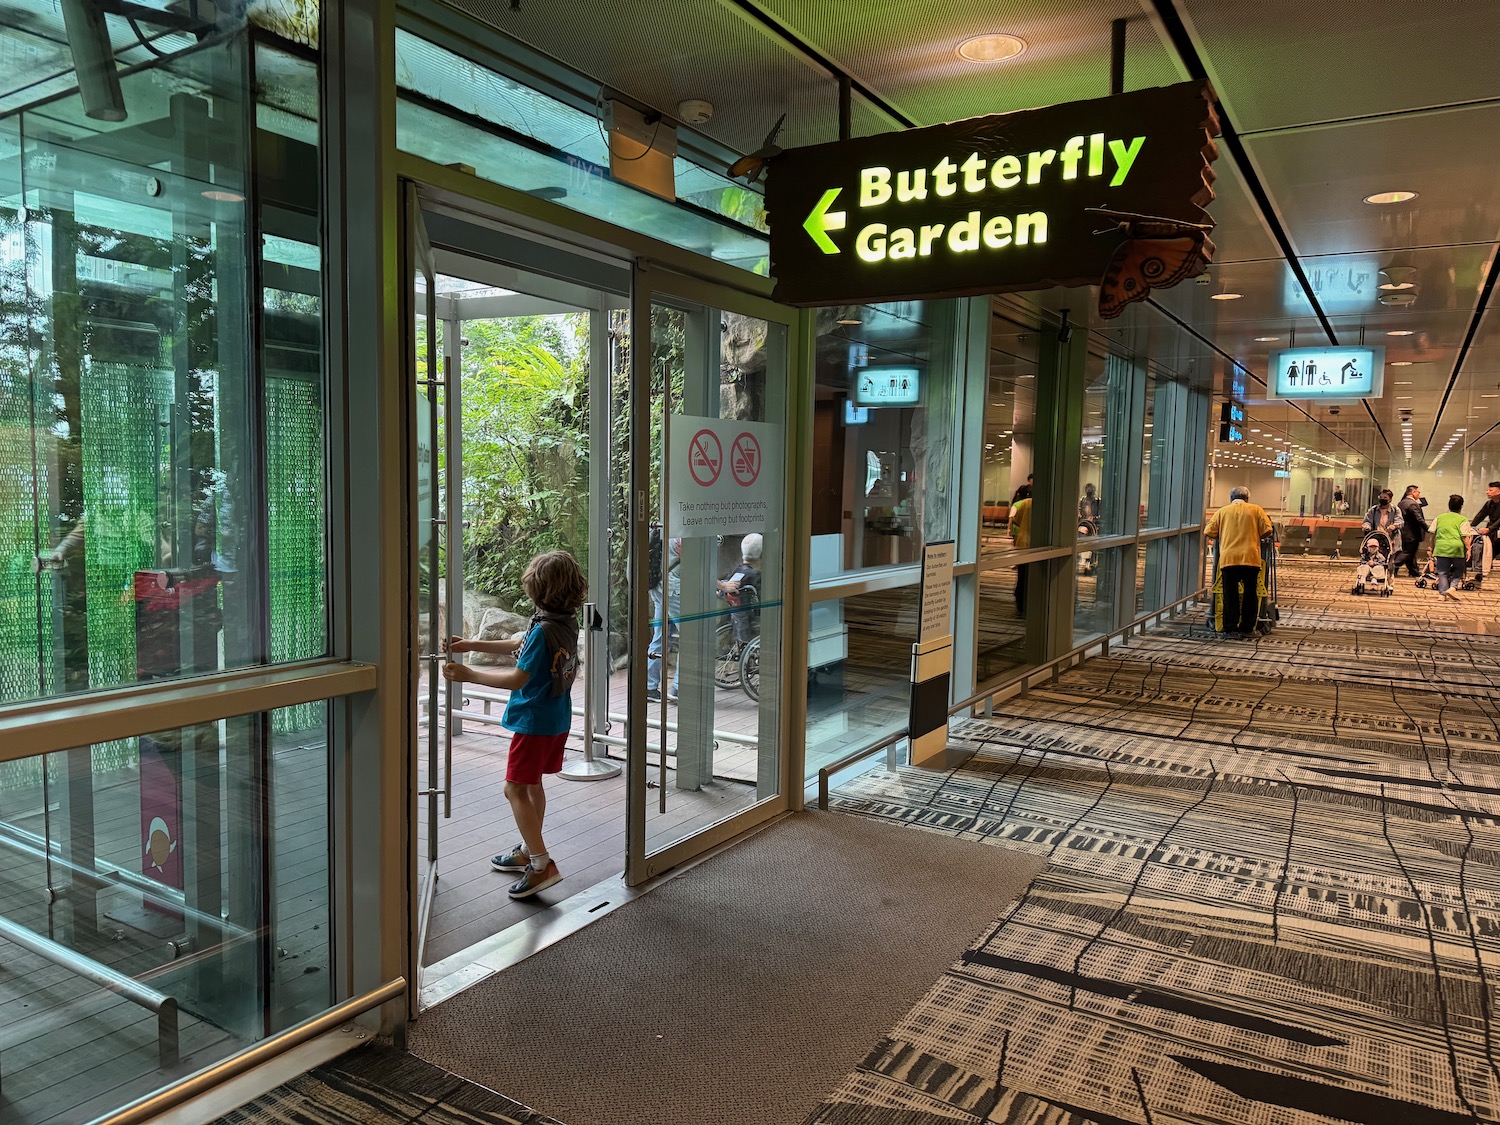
column 1279, row 63
column 907, row 53
column 1239, row 235
column 1318, row 179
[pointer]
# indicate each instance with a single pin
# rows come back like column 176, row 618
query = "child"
column 1451, row 546
column 540, row 711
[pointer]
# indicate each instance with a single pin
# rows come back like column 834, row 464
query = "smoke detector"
column 1400, row 299
column 694, row 111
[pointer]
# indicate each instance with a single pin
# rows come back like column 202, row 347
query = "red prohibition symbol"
column 705, row 457
column 744, row 460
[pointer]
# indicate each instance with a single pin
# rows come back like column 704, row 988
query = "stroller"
column 1373, row 575
column 1088, row 561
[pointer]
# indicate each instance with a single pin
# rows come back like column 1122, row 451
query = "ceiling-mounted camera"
column 1333, row 410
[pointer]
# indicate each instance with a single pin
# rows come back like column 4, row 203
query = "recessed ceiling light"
column 1400, row 363
column 1390, row 197
column 1489, row 396
column 1266, row 339
column 220, row 195
column 1400, row 397
column 991, row 48
column 849, row 321
column 1403, row 382
column 1400, row 332
column 1226, row 296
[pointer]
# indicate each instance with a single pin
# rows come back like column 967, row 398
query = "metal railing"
column 158, row 1003
column 1018, row 684
column 153, row 1105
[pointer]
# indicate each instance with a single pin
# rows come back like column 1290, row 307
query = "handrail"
column 162, row 1005
column 1101, row 642
column 152, row 1105
column 849, row 759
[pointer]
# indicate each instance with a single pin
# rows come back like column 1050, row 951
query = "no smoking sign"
column 717, row 483
column 705, row 457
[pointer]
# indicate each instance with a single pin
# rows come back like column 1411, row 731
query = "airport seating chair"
column 1325, row 540
column 1294, row 540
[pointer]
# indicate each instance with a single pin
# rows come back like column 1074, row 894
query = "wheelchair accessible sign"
column 721, row 478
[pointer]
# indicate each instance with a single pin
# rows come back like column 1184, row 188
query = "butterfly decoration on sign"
column 1156, row 254
column 752, row 165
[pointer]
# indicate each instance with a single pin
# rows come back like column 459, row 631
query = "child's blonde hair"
column 555, row 582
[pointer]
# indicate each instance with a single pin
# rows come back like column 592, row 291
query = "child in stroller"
column 1373, row 575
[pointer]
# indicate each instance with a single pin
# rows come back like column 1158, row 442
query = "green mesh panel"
column 295, row 509
column 120, row 464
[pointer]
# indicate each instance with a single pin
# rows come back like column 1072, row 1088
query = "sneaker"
column 514, row 860
column 653, row 696
column 671, row 697
column 534, row 881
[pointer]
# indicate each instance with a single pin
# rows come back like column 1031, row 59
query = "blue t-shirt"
column 532, row 708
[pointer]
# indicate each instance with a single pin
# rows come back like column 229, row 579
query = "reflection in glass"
column 859, row 661
column 1002, row 621
column 452, row 109
column 1095, row 591
column 133, row 497
column 713, row 726
column 1006, row 466
column 1102, row 473
column 888, row 380
column 200, row 873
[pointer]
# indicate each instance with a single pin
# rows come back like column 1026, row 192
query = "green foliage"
column 526, row 455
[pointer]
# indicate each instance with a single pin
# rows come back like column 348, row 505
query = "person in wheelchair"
column 742, row 588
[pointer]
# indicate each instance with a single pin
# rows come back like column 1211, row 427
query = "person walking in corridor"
column 1413, row 530
column 540, row 711
column 1383, row 516
column 1486, row 522
column 1020, row 539
column 1237, row 528
column 1450, row 546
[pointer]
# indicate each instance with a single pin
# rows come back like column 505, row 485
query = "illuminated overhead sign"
column 1326, row 374
column 887, row 386
column 1232, row 421
column 1001, row 203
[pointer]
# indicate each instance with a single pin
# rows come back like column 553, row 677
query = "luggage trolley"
column 1269, row 613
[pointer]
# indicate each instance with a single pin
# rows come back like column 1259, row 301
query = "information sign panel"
column 999, row 203
column 1327, row 374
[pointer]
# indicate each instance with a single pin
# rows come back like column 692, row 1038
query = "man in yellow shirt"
column 1020, row 539
column 1237, row 529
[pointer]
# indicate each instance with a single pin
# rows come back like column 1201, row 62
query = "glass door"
column 710, row 403
column 424, row 357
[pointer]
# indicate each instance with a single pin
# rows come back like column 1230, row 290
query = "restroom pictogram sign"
column 717, row 481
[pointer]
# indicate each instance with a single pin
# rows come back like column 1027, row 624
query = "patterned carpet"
column 1273, row 891
column 378, row 1085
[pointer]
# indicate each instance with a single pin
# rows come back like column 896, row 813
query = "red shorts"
column 532, row 755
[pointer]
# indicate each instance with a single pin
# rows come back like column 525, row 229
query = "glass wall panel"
column 1159, row 515
column 1009, row 430
column 1002, row 623
column 1096, row 591
column 722, row 412
column 1107, row 441
column 136, row 418
column 455, row 110
column 859, row 671
column 164, row 903
column 889, row 384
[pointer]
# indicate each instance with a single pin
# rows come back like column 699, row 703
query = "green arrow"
column 821, row 220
